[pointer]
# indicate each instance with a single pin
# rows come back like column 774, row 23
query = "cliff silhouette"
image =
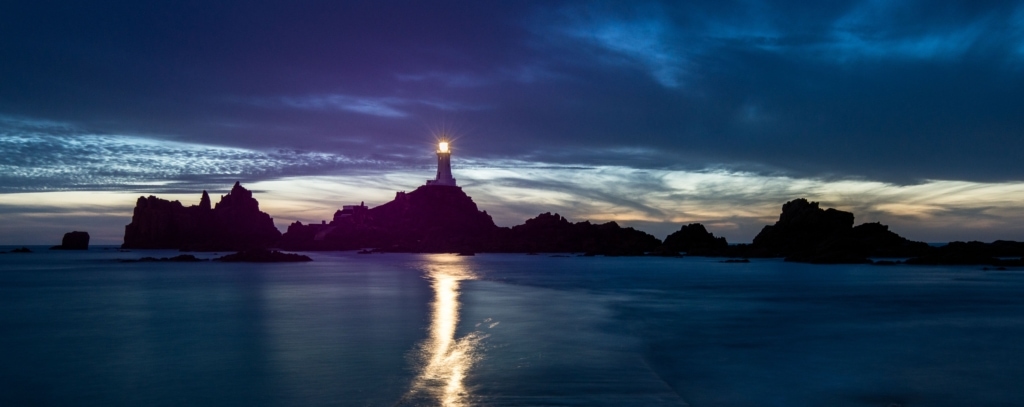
column 235, row 223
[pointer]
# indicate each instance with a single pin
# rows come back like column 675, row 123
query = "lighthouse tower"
column 444, row 166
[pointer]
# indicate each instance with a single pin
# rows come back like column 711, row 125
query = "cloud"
column 647, row 40
column 59, row 157
column 646, row 112
column 875, row 29
column 892, row 91
column 385, row 107
column 733, row 204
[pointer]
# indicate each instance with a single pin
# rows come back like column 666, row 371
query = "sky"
column 651, row 114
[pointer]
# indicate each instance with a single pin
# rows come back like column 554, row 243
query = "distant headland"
column 439, row 217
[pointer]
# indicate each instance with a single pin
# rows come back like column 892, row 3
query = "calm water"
column 78, row 328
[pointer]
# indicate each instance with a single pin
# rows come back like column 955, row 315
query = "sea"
column 82, row 328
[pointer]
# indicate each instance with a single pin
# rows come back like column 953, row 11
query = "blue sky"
column 651, row 114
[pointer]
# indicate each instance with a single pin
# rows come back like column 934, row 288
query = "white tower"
column 444, row 166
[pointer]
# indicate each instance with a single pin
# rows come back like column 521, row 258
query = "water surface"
column 79, row 328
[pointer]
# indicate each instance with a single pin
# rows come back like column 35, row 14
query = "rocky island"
column 235, row 223
column 807, row 233
column 434, row 219
column 439, row 217
column 428, row 219
column 73, row 241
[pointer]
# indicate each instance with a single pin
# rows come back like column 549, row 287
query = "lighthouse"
column 444, row 166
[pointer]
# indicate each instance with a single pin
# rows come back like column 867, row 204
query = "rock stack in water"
column 552, row 233
column 694, row 239
column 74, row 241
column 235, row 223
column 807, row 233
column 428, row 219
column 439, row 219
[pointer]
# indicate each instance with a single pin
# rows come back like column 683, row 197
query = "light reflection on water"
column 81, row 329
column 444, row 359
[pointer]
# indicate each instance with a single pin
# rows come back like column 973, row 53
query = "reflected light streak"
column 445, row 360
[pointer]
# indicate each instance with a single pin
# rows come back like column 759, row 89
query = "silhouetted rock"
column 552, row 233
column 73, row 241
column 236, row 223
column 876, row 240
column 430, row 219
column 802, row 225
column 204, row 201
column 21, row 250
column 1006, row 248
column 434, row 219
column 694, row 239
column 263, row 256
column 997, row 253
column 806, row 233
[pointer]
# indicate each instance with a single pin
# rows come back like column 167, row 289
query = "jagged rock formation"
column 428, row 219
column 73, row 241
column 444, row 219
column 694, row 239
column 874, row 240
column 236, row 223
column 998, row 253
column 552, row 233
column 806, row 233
column 802, row 225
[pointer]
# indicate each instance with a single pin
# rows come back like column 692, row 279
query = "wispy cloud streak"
column 43, row 162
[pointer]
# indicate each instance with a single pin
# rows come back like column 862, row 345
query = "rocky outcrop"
column 802, row 226
column 874, row 240
column 694, row 239
column 263, row 256
column 73, row 241
column 552, row 233
column 433, row 219
column 235, row 223
column 998, row 253
column 428, row 219
column 807, row 233
column 443, row 219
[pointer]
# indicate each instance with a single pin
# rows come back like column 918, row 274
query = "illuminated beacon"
column 444, row 166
